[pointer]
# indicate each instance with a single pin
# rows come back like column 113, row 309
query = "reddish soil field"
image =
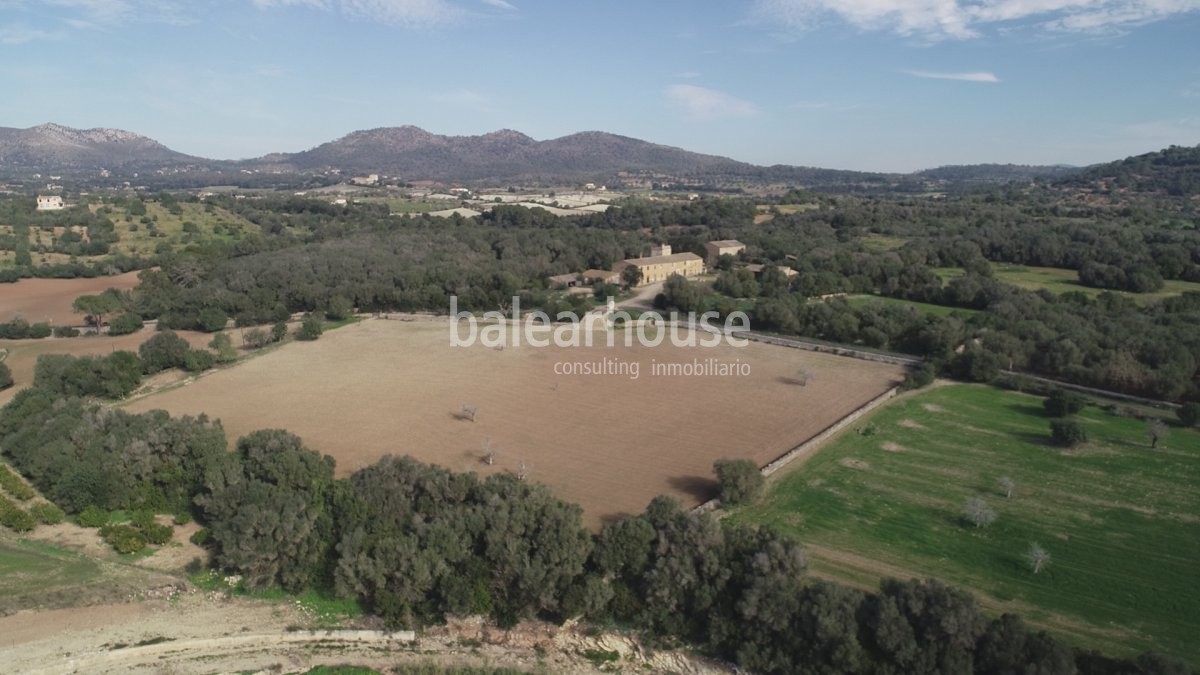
column 49, row 300
column 22, row 354
column 610, row 443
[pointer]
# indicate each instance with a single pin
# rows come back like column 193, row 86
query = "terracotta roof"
column 663, row 259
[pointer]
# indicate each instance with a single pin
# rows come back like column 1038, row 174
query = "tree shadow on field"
column 613, row 518
column 1028, row 409
column 702, row 488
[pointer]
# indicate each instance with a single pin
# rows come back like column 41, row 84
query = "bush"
column 223, row 346
column 13, row 485
column 197, row 360
column 739, row 481
column 339, row 308
column 6, row 378
column 201, row 537
column 1188, row 414
column 1062, row 403
column 212, row 319
column 1067, row 433
column 310, row 328
column 256, row 338
column 14, row 518
column 279, row 331
column 93, row 516
column 40, row 330
column 163, row 351
column 123, row 538
column 158, row 534
column 916, row 378
column 125, row 324
column 182, row 518
column 47, row 513
column 66, row 332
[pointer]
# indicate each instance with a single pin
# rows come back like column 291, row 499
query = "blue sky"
column 856, row 84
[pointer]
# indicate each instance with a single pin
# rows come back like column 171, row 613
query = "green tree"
column 6, row 378
column 631, row 276
column 125, row 324
column 94, row 307
column 1188, row 414
column 339, row 308
column 739, row 481
column 212, row 319
column 1067, row 432
column 222, row 345
column 1062, row 403
column 311, row 328
column 164, row 350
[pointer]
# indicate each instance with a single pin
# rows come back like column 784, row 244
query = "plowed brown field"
column 610, row 443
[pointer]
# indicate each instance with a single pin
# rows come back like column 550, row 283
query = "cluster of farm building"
column 659, row 265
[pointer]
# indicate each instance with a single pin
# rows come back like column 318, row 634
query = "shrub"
column 158, row 534
column 1062, row 403
column 1067, row 433
column 310, row 328
column 197, row 360
column 6, row 378
column 182, row 518
column 223, row 346
column 212, row 319
column 918, row 377
column 163, row 351
column 47, row 513
column 13, row 485
column 125, row 324
column 1189, row 414
column 123, row 538
column 339, row 308
column 739, row 481
column 256, row 338
column 93, row 516
column 40, row 330
column 201, row 537
column 15, row 519
column 279, row 331
column 66, row 332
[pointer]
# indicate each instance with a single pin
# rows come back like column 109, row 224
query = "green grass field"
column 1121, row 521
column 1061, row 281
column 936, row 310
column 36, row 574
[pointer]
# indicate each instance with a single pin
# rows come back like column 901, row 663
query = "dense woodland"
column 416, row 543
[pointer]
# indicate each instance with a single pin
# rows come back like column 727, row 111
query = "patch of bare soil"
column 911, row 424
column 933, row 407
column 851, row 463
column 196, row 632
column 889, row 446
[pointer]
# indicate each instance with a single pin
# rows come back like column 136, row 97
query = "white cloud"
column 962, row 77
column 500, row 4
column 19, row 34
column 961, row 19
column 704, row 103
column 393, row 12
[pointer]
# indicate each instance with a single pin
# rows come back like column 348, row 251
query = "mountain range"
column 411, row 153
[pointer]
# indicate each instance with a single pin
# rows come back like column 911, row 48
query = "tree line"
column 417, row 543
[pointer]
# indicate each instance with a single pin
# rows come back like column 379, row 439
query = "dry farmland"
column 49, row 300
column 21, row 355
column 608, row 442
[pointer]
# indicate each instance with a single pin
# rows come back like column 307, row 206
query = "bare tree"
column 522, row 471
column 489, row 453
column 469, row 412
column 801, row 377
column 978, row 512
column 1006, row 486
column 1157, row 430
column 1037, row 557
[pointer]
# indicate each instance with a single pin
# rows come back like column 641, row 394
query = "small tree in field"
column 310, row 328
column 1062, row 403
column 978, row 513
column 1037, row 557
column 489, row 453
column 469, row 412
column 1157, row 430
column 631, row 276
column 738, row 481
column 1006, row 486
column 1067, row 433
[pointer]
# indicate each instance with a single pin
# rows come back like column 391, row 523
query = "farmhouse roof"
column 599, row 274
column 565, row 278
column 726, row 243
column 662, row 259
